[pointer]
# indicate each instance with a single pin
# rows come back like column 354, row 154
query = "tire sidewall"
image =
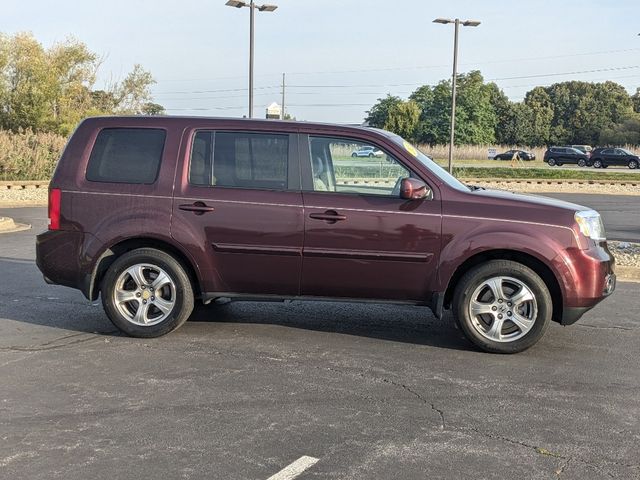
column 183, row 292
column 472, row 279
column 552, row 162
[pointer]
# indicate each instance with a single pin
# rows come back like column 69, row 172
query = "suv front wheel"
column 502, row 306
column 147, row 293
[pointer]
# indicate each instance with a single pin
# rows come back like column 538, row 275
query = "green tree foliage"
column 635, row 99
column 53, row 89
column 379, row 113
column 564, row 113
column 625, row 132
column 402, row 118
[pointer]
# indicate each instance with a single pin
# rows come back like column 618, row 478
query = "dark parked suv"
column 154, row 213
column 558, row 156
column 603, row 157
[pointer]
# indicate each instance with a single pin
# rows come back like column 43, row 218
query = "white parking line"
column 296, row 468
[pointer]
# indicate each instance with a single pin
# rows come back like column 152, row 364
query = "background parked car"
column 508, row 155
column 583, row 148
column 367, row 152
column 561, row 155
column 603, row 157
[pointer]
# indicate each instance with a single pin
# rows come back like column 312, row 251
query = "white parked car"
column 367, row 152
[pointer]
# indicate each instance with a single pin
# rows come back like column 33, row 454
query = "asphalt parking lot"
column 245, row 389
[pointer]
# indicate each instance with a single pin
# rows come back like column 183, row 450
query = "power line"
column 417, row 67
column 565, row 73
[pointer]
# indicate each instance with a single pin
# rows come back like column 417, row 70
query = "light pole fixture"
column 252, row 8
column 457, row 22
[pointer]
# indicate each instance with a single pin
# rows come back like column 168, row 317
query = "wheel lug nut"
column 509, row 303
column 144, row 301
column 500, row 301
column 138, row 294
column 494, row 308
column 153, row 298
column 143, row 287
column 500, row 316
column 509, row 313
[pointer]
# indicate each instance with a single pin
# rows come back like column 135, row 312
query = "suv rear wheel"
column 633, row 164
column 147, row 293
column 552, row 162
column 582, row 162
column 597, row 163
column 502, row 306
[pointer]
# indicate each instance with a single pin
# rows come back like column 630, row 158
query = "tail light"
column 55, row 195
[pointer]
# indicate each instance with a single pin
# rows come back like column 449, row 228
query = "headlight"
column 590, row 224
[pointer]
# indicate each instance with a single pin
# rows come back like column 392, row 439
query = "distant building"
column 274, row 110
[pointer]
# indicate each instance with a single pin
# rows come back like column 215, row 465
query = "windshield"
column 440, row 172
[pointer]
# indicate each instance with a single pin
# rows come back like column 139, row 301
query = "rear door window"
column 126, row 155
column 240, row 159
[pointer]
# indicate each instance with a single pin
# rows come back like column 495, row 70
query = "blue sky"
column 339, row 55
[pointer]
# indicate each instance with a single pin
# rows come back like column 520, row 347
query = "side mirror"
column 414, row 189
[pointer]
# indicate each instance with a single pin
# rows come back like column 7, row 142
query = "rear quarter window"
column 126, row 155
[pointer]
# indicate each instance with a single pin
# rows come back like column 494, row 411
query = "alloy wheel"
column 503, row 309
column 144, row 294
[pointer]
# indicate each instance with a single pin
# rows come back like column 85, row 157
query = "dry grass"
column 475, row 152
column 28, row 155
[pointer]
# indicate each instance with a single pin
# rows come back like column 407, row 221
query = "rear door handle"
column 199, row 208
column 329, row 216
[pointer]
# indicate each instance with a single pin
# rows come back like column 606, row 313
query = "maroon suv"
column 153, row 213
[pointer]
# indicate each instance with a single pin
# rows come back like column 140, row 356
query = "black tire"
column 371, row 155
column 633, row 164
column 604, row 165
column 582, row 163
column 597, row 163
column 552, row 162
column 183, row 300
column 474, row 278
column 354, row 155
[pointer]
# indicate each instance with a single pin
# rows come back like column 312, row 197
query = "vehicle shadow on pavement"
column 396, row 323
column 25, row 298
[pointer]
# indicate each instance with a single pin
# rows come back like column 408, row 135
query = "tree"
column 635, row 99
column 403, row 118
column 625, row 132
column 379, row 113
column 540, row 109
column 53, row 89
column 133, row 92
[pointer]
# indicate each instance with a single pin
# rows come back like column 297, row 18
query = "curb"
column 551, row 181
column 7, row 225
column 24, row 185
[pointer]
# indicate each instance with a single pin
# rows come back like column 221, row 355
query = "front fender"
column 466, row 238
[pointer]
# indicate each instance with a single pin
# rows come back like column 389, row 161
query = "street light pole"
column 457, row 22
column 252, row 19
column 453, row 94
column 252, row 8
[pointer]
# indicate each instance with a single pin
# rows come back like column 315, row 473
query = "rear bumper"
column 59, row 258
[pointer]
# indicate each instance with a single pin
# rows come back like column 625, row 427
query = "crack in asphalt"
column 611, row 327
column 537, row 449
column 51, row 344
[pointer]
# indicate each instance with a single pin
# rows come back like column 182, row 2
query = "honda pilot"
column 155, row 213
